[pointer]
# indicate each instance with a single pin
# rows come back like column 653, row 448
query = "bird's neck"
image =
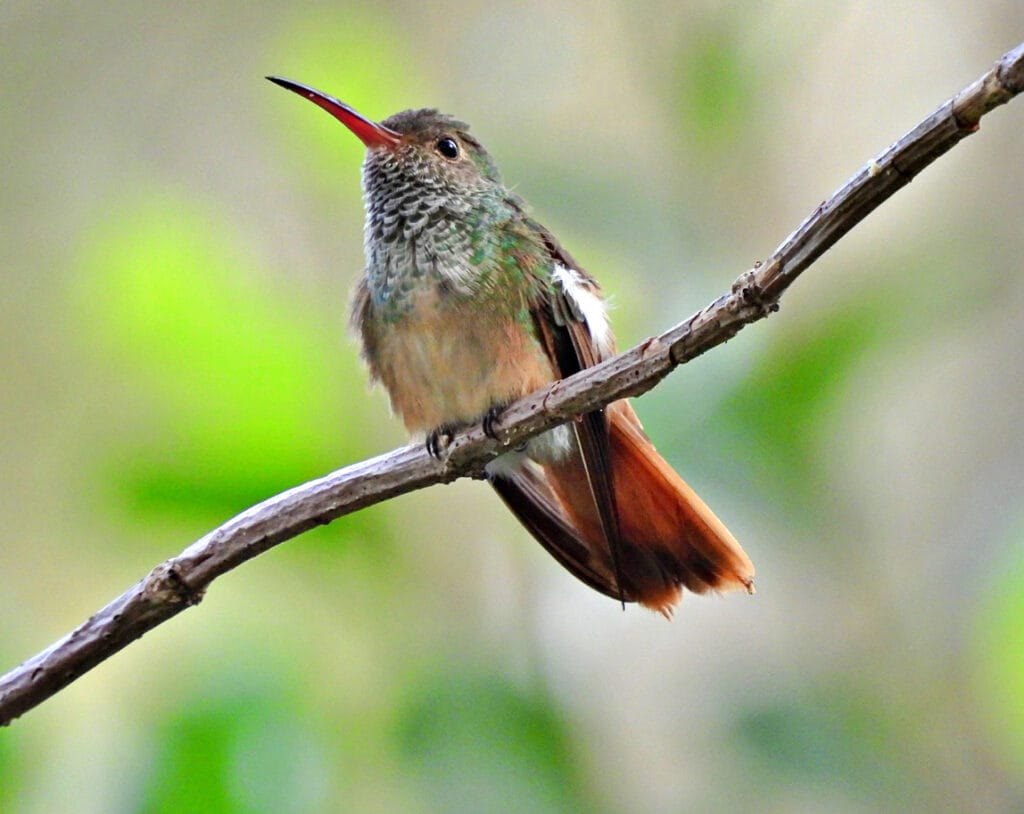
column 422, row 242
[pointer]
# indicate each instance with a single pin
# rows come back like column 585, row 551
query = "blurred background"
column 178, row 239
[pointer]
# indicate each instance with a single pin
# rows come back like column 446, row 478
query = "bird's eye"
column 448, row 147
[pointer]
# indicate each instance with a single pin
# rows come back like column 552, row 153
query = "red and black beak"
column 368, row 132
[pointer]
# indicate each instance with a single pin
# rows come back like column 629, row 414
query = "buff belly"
column 451, row 368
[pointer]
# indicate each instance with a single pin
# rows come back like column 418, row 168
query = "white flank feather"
column 595, row 314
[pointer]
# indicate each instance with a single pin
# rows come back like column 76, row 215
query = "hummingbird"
column 466, row 304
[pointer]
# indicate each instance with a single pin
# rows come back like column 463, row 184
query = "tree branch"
column 181, row 581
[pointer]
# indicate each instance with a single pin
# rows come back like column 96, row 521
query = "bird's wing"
column 569, row 319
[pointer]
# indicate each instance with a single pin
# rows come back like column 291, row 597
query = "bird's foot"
column 438, row 440
column 441, row 437
column 491, row 417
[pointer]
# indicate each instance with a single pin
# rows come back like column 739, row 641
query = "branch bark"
column 181, row 581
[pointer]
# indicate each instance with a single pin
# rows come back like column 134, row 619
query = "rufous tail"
column 668, row 538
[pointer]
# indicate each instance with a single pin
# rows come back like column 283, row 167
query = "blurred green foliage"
column 774, row 418
column 10, row 769
column 464, row 740
column 232, row 384
column 243, row 753
column 999, row 656
column 473, row 742
column 716, row 87
column 833, row 738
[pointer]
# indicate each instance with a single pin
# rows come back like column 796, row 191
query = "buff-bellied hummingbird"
column 467, row 304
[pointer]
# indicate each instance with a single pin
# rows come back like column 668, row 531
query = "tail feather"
column 661, row 514
column 527, row 494
column 670, row 539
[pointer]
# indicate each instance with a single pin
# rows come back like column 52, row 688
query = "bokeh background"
column 177, row 240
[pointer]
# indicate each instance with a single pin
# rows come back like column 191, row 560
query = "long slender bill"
column 367, row 131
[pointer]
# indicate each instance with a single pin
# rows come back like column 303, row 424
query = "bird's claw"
column 439, row 439
column 491, row 418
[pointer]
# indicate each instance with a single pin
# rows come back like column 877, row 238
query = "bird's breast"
column 446, row 359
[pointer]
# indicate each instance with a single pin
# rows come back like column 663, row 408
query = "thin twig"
column 181, row 581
